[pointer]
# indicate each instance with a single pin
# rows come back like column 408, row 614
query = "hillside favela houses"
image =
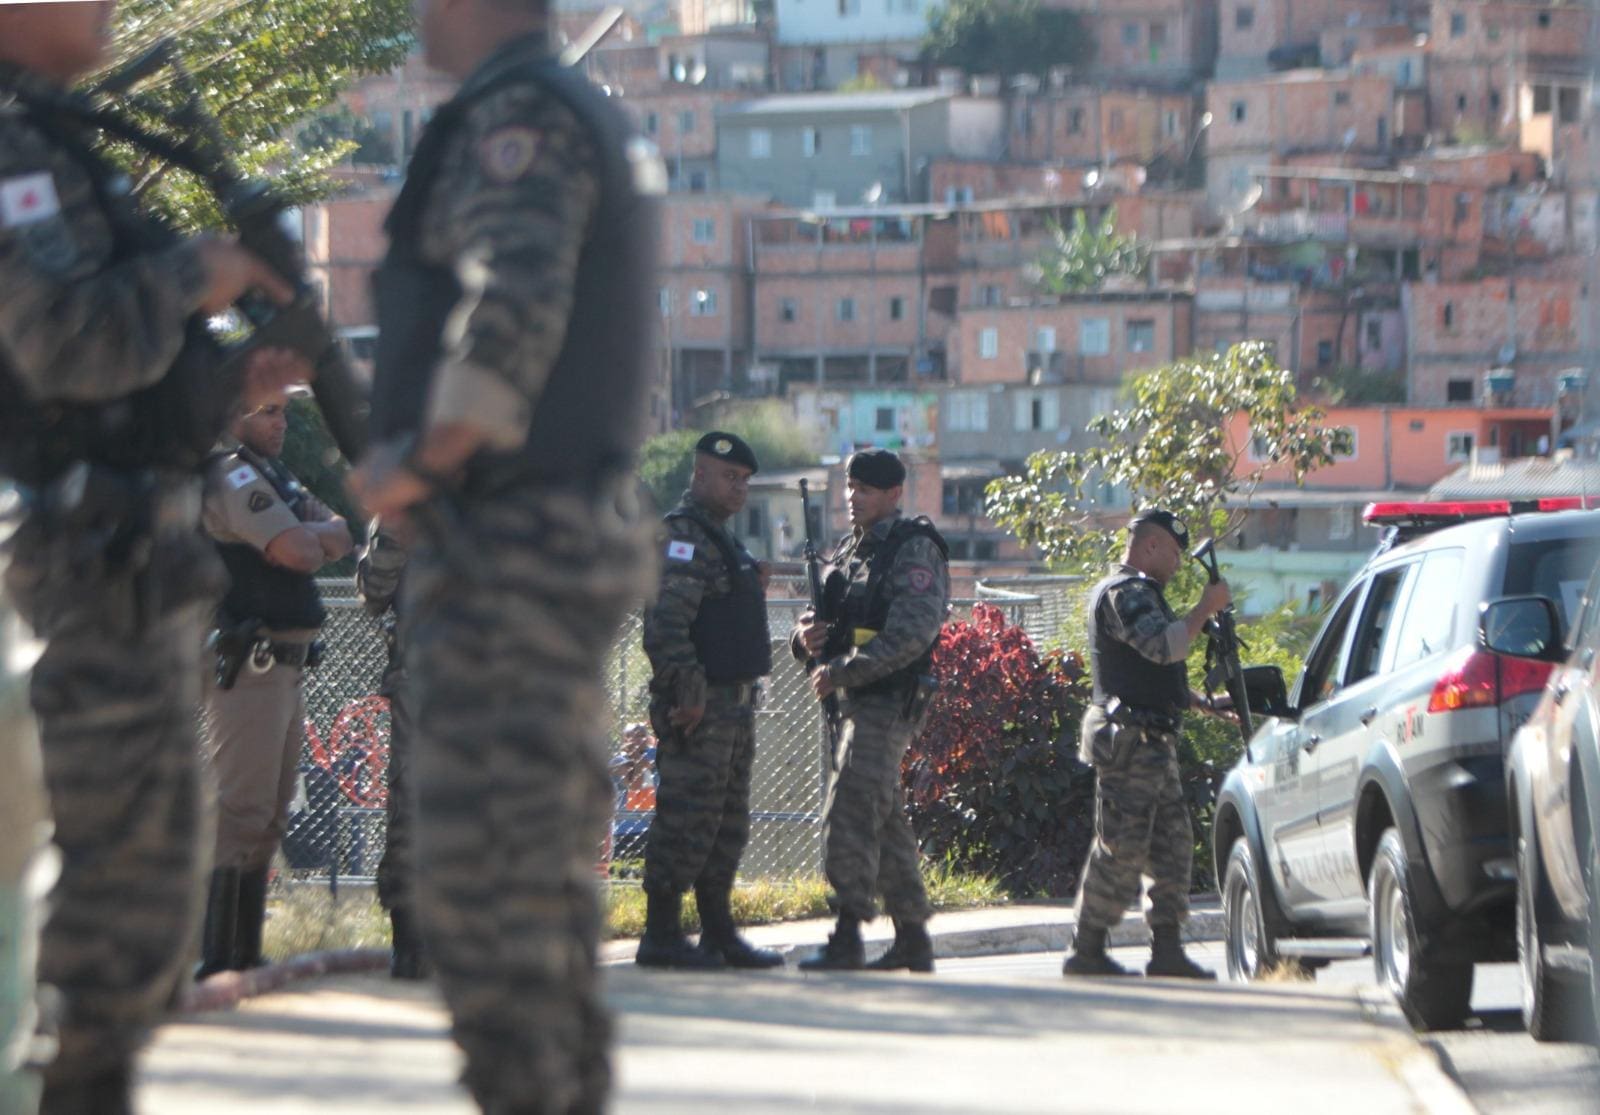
column 1401, row 198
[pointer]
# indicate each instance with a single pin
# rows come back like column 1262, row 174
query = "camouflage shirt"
column 378, row 571
column 74, row 325
column 509, row 212
column 918, row 587
column 692, row 571
column 1136, row 613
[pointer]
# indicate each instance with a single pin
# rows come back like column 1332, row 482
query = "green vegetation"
column 262, row 66
column 1170, row 445
column 1083, row 257
column 1006, row 37
column 308, row 919
column 667, row 460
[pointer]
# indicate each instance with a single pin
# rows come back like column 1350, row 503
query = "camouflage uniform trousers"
column 868, row 845
column 512, row 790
column 702, row 820
column 117, row 727
column 27, row 864
column 1142, row 827
column 398, row 865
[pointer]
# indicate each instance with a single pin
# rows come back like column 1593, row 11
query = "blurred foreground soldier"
column 273, row 536
column 878, row 658
column 709, row 646
column 1137, row 654
column 27, row 861
column 378, row 577
column 509, row 438
column 111, row 395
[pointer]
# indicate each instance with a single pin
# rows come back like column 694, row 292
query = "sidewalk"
column 1023, row 927
column 781, row 1043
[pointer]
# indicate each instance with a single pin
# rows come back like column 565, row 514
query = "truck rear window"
column 1553, row 567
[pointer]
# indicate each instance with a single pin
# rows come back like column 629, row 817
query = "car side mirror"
column 1522, row 626
column 1267, row 693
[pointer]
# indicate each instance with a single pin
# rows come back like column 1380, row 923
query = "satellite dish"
column 873, row 194
column 1091, row 179
column 697, row 72
column 1350, row 138
column 1508, row 352
column 680, row 73
column 1251, row 196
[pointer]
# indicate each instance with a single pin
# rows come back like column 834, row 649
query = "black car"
column 1368, row 815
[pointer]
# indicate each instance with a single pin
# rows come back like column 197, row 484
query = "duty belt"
column 741, row 692
column 1137, row 716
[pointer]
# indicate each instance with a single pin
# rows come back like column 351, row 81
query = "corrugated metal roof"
column 1523, row 478
column 814, row 104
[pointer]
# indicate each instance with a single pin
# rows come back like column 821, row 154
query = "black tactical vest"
column 1122, row 672
column 866, row 603
column 730, row 633
column 590, row 415
column 278, row 597
column 171, row 424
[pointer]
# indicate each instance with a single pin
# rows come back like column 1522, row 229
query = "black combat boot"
column 222, row 919
column 406, row 958
column 912, row 949
column 252, row 918
column 663, row 944
column 718, row 934
column 1089, row 957
column 843, row 952
column 1167, row 957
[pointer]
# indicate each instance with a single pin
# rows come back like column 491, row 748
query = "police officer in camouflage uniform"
column 509, row 438
column 709, row 645
column 378, row 577
column 111, row 395
column 1137, row 654
column 877, row 657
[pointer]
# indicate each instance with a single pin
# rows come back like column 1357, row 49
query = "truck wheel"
column 1434, row 995
column 1252, row 949
column 1553, row 1008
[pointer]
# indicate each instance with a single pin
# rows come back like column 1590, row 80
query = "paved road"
column 783, row 1043
column 1504, row 1071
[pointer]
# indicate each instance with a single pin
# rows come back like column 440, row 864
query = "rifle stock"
column 819, row 608
column 1222, row 646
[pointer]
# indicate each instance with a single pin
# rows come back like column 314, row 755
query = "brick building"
column 1262, row 121
column 1163, row 42
column 1258, row 36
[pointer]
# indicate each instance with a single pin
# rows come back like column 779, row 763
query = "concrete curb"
column 1205, row 924
column 227, row 990
column 1420, row 1070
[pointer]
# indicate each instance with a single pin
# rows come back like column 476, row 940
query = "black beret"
column 728, row 447
column 1166, row 520
column 877, row 468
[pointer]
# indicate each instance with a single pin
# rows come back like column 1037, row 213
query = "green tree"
column 1083, row 257
column 667, row 460
column 1006, row 37
column 261, row 67
column 1356, row 386
column 1171, row 446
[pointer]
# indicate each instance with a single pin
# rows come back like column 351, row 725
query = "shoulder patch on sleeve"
column 920, row 578
column 680, row 551
column 27, row 199
column 507, row 153
column 241, row 476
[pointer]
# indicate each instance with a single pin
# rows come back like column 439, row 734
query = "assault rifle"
column 257, row 213
column 1222, row 647
column 822, row 611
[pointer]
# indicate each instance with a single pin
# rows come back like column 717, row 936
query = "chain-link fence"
column 336, row 828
